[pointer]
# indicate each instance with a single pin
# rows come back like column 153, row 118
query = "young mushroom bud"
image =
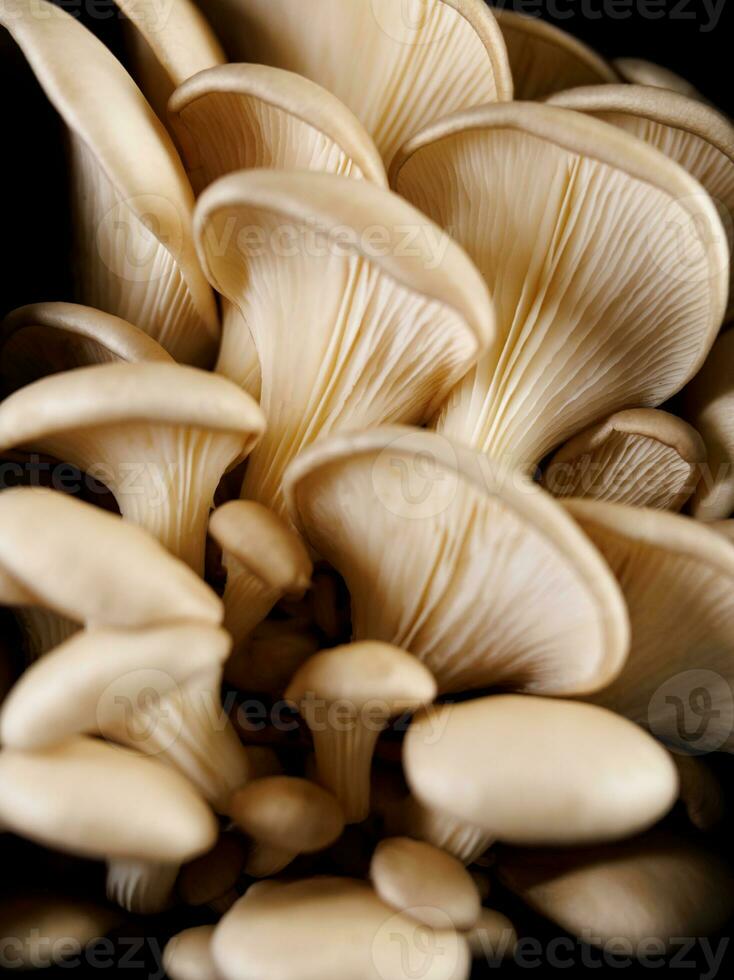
column 347, row 696
column 642, row 457
column 284, row 816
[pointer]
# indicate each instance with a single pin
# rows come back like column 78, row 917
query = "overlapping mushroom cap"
column 609, row 273
column 638, row 71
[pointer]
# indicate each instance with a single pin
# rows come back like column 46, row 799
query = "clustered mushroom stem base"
column 344, row 761
column 246, row 604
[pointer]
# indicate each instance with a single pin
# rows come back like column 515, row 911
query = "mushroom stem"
column 344, row 761
column 142, row 887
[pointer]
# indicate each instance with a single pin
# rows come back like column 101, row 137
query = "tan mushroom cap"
column 98, row 800
column 127, row 180
column 84, row 685
column 287, row 812
column 490, row 761
column 421, row 67
column 45, row 338
column 545, row 59
column 383, row 332
column 240, row 116
column 121, row 577
column 594, row 318
column 709, row 406
column 654, row 887
column 425, row 883
column 493, row 938
column 643, row 457
column 637, row 71
column 440, row 547
column 677, row 577
column 327, row 929
column 188, row 955
column 701, row 792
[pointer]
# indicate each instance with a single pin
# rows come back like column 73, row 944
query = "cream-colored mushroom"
column 643, row 457
column 425, row 883
column 264, row 559
column 284, row 816
column 545, row 59
column 461, row 562
column 131, row 200
column 46, row 338
column 327, row 929
column 637, row 71
column 599, row 777
column 677, row 578
column 395, row 68
column 610, row 284
column 347, row 696
column 701, row 791
column 188, row 955
column 709, row 406
column 160, row 436
column 656, row 887
column 493, row 938
column 384, row 328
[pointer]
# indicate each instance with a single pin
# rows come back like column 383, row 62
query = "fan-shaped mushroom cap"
column 84, row 685
column 160, row 435
column 493, row 937
column 691, row 133
column 383, row 330
column 166, row 45
column 599, row 776
column 98, row 800
column 238, row 116
column 425, row 883
column 653, row 887
column 347, row 695
column 327, row 929
column 265, row 560
column 131, row 200
column 441, row 548
column 637, row 71
column 394, row 69
column 545, row 59
column 700, row 791
column 677, row 577
column 188, row 955
column 45, row 338
column 642, row 457
column 709, row 405
column 597, row 309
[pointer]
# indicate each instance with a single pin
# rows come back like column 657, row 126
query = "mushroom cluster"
column 366, row 559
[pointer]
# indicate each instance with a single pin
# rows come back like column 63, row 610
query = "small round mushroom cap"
column 493, row 937
column 539, row 771
column 188, row 955
column 97, row 800
column 637, row 71
column 643, row 457
column 328, row 929
column 287, row 812
column 424, row 882
column 653, row 887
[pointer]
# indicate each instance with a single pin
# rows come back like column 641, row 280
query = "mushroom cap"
column 259, row 116
column 490, row 760
column 257, row 539
column 287, row 812
column 611, row 291
column 82, row 684
column 451, row 55
column 545, row 59
column 324, row 928
column 188, row 955
column 653, row 887
column 120, row 577
column 637, row 71
column 362, row 673
column 493, row 937
column 642, row 457
column 424, row 882
column 97, row 800
column 209, row 877
column 440, row 546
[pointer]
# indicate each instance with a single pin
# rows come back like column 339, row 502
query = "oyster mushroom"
column 637, row 71
column 395, row 68
column 347, row 696
column 284, row 816
column 188, row 955
column 599, row 777
column 545, row 59
column 131, row 200
column 462, row 563
column 159, row 435
column 383, row 331
column 614, row 285
column 265, row 560
column 643, row 457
